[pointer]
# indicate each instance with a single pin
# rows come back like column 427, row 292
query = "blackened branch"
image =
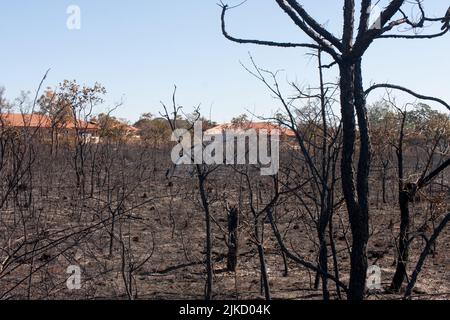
column 415, row 94
column 261, row 42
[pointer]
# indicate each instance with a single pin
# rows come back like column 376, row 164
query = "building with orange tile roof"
column 35, row 120
column 257, row 126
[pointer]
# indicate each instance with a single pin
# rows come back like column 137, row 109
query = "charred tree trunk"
column 403, row 245
column 208, row 240
column 325, row 192
column 111, row 233
column 323, row 265
column 262, row 259
column 233, row 224
column 403, row 200
column 384, row 165
column 352, row 96
column 362, row 183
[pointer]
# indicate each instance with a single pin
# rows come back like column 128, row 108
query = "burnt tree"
column 347, row 52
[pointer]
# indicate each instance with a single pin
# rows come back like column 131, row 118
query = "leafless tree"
column 347, row 52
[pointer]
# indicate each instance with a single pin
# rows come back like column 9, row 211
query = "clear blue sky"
column 139, row 49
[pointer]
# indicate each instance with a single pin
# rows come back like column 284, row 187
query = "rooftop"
column 35, row 120
column 251, row 125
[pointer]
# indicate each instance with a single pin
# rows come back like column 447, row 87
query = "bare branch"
column 260, row 42
column 424, row 255
column 315, row 25
column 409, row 91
